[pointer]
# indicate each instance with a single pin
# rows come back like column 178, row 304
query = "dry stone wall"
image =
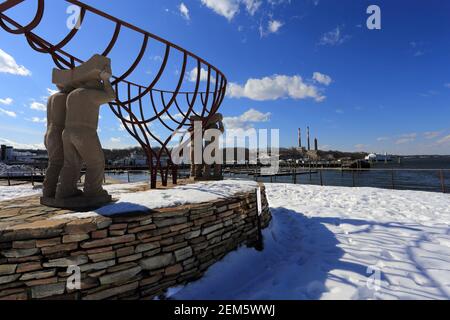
column 131, row 256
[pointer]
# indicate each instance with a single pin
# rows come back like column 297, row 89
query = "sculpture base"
column 77, row 203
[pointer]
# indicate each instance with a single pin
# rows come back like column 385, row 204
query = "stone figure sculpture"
column 215, row 122
column 80, row 141
column 202, row 171
column 56, row 118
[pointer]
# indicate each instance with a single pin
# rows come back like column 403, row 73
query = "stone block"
column 157, row 262
column 90, row 70
column 49, row 290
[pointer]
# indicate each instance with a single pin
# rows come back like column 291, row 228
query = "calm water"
column 411, row 174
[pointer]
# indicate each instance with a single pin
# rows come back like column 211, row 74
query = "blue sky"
column 290, row 64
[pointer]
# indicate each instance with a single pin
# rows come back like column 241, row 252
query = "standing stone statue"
column 202, row 171
column 80, row 141
column 215, row 122
column 196, row 168
column 56, row 118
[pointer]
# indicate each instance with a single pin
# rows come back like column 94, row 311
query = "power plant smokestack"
column 299, row 138
column 309, row 144
column 316, row 144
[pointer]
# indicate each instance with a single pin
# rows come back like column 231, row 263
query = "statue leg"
column 54, row 145
column 217, row 170
column 92, row 154
column 70, row 173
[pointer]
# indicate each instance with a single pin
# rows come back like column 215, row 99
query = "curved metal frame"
column 135, row 123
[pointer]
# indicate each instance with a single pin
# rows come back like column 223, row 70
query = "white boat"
column 374, row 157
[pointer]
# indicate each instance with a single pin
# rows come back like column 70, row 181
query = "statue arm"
column 221, row 127
column 109, row 90
column 107, row 94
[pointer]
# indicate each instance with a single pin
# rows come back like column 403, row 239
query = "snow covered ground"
column 27, row 190
column 339, row 243
column 164, row 198
column 323, row 242
column 18, row 191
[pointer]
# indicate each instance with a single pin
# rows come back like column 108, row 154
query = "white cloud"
column 11, row 114
column 274, row 26
column 38, row 120
column 406, row 138
column 6, row 101
column 444, row 140
column 340, row 111
column 333, row 38
column 381, row 139
column 9, row 65
column 275, row 87
column 432, row 134
column 252, row 6
column 322, row 78
column 226, row 8
column 115, row 140
column 19, row 145
column 447, row 85
column 51, row 91
column 192, row 76
column 245, row 120
column 360, row 146
column 184, row 11
column 38, row 106
column 242, row 126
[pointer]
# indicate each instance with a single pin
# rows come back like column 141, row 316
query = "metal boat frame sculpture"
column 131, row 110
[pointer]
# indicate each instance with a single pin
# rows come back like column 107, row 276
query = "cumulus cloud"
column 115, row 140
column 275, row 87
column 334, row 37
column 6, row 101
column 192, row 75
column 274, row 26
column 225, row 8
column 184, row 11
column 38, row 106
column 8, row 113
column 9, row 65
column 246, row 120
column 230, row 8
column 381, row 139
column 322, row 78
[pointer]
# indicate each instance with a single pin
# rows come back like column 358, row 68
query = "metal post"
column 9, row 180
column 353, row 178
column 441, row 174
column 32, row 177
column 128, row 176
column 392, row 175
column 321, row 178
